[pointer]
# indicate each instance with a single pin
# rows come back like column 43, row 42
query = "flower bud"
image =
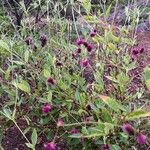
column 127, row 128
column 43, row 40
column 29, row 40
column 51, row 81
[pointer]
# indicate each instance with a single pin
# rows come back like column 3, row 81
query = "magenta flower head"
column 78, row 50
column 141, row 138
column 127, row 128
column 84, row 63
column 135, row 52
column 89, row 47
column 29, row 40
column 80, row 41
column 50, row 146
column 58, row 63
column 47, row 108
column 51, row 81
column 60, row 123
column 105, row 147
column 74, row 131
column 142, row 50
column 43, row 39
column 93, row 33
column 85, row 44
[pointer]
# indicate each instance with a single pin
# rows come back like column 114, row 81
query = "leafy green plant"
column 75, row 93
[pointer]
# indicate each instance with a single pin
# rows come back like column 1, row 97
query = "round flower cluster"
column 129, row 129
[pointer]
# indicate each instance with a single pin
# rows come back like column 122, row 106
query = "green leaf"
column 147, row 77
column 18, row 63
column 24, row 86
column 115, row 147
column 86, row 136
column 87, row 6
column 4, row 45
column 46, row 73
column 113, row 104
column 26, row 56
column 49, row 97
column 108, row 11
column 147, row 73
column 138, row 114
column 7, row 113
column 34, row 137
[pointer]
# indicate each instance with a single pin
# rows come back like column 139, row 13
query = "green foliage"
column 98, row 108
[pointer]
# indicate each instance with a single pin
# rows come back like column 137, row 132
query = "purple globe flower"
column 47, row 108
column 89, row 48
column 29, row 40
column 78, row 50
column 80, row 41
column 84, row 63
column 60, row 123
column 105, row 147
column 43, row 39
column 58, row 63
column 85, row 44
column 127, row 128
column 74, row 56
column 93, row 33
column 141, row 138
column 135, row 52
column 50, row 146
column 51, row 81
column 142, row 50
column 74, row 131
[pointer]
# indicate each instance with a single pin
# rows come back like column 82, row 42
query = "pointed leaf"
column 138, row 114
column 34, row 137
column 24, row 86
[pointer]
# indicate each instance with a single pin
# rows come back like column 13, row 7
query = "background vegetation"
column 73, row 75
